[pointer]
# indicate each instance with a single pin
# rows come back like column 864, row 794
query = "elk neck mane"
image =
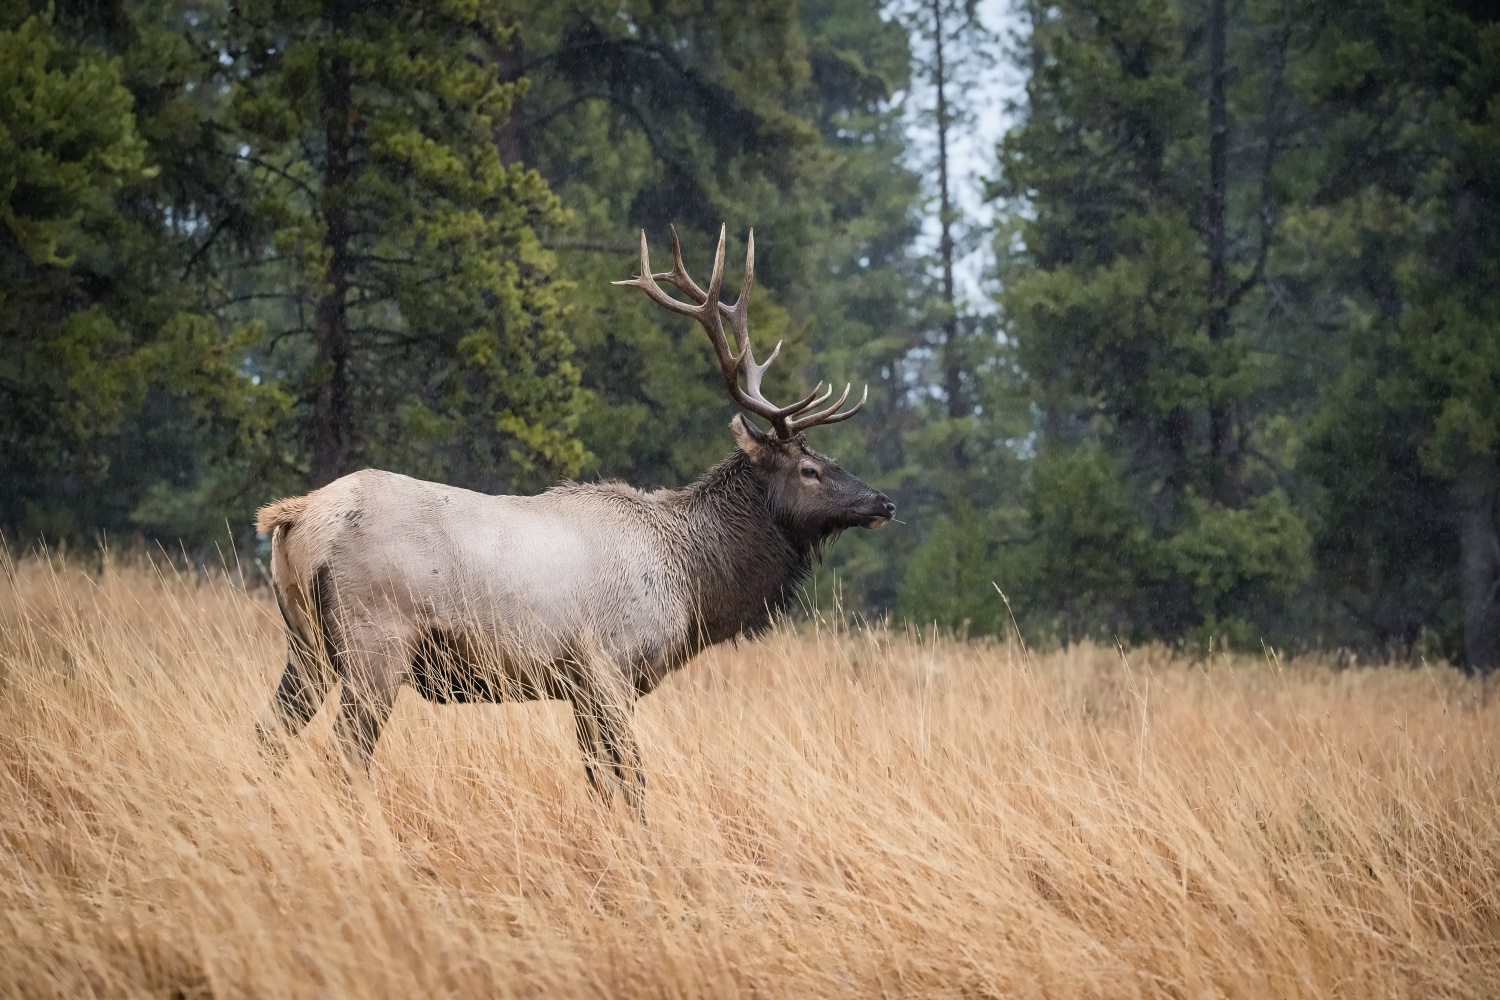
column 745, row 565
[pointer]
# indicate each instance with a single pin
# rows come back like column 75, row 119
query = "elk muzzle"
column 880, row 511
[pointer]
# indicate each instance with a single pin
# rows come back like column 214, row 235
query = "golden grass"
column 831, row 814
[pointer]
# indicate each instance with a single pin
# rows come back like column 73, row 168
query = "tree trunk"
column 1036, row 13
column 510, row 137
column 331, row 406
column 952, row 359
column 1479, row 561
column 1222, row 444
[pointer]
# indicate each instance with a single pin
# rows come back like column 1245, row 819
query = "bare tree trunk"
column 331, row 406
column 1222, row 444
column 952, row 359
column 1035, row 14
column 510, row 137
column 1477, row 490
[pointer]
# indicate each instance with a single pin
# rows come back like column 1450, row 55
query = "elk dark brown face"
column 810, row 494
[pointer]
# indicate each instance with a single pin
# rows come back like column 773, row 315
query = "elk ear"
column 749, row 438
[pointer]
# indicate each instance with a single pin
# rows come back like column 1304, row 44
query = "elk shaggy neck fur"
column 747, row 558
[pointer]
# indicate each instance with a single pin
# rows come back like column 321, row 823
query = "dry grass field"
column 831, row 814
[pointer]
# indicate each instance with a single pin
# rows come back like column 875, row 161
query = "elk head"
column 808, row 492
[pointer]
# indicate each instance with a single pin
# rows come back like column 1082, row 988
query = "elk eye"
column 808, row 472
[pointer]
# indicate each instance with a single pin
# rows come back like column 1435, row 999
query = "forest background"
column 1235, row 377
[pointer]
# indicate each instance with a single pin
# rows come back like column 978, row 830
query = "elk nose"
column 890, row 509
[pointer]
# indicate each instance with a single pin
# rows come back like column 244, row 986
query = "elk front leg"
column 620, row 743
column 372, row 668
column 602, row 721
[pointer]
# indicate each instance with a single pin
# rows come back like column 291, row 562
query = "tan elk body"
column 589, row 592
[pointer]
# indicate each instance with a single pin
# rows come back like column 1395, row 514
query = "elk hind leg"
column 304, row 685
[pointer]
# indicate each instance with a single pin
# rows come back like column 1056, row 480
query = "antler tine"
column 752, row 370
column 716, row 280
column 679, row 277
column 792, row 409
column 821, row 399
column 739, row 316
column 647, row 284
column 708, row 313
column 812, row 418
column 830, row 415
column 739, row 322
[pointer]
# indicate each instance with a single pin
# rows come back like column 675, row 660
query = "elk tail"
column 301, row 596
column 281, row 514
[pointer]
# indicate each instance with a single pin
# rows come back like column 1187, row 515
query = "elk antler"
column 710, row 313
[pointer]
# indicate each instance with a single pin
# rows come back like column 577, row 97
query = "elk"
column 589, row 592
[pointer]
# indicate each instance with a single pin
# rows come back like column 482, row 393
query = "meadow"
column 832, row 812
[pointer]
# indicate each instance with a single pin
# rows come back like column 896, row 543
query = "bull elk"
column 590, row 592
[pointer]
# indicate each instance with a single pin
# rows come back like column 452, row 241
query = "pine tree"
column 112, row 380
column 1406, row 447
column 953, row 45
column 1254, row 311
column 417, row 319
column 1134, row 308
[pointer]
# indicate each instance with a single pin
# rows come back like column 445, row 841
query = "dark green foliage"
column 336, row 220
column 184, row 386
column 1283, row 399
column 111, row 382
column 1152, row 386
column 767, row 116
column 1407, row 445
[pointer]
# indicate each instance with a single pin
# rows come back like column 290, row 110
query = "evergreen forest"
column 1231, row 374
